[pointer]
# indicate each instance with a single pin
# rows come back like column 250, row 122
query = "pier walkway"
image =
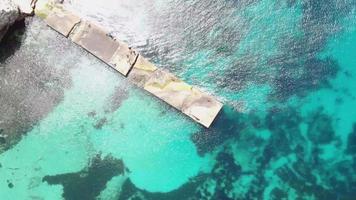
column 201, row 107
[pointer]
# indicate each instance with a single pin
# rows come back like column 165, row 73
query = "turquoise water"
column 284, row 69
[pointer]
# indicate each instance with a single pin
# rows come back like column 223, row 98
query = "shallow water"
column 284, row 69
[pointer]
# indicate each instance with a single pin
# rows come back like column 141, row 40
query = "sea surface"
column 72, row 128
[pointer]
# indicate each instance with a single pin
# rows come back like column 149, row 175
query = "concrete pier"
column 62, row 21
column 199, row 106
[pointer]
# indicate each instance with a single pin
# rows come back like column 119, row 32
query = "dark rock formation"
column 9, row 13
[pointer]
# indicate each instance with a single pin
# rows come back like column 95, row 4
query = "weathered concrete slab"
column 169, row 88
column 123, row 58
column 142, row 71
column 62, row 21
column 95, row 40
column 201, row 107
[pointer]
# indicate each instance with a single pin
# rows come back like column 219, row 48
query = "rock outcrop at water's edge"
column 9, row 13
column 13, row 10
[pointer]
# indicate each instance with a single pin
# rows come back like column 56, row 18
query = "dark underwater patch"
column 304, row 185
column 320, row 129
column 297, row 65
column 9, row 184
column 287, row 139
column 285, row 134
column 121, row 94
column 300, row 71
column 243, row 71
column 227, row 125
column 188, row 190
column 351, row 142
column 100, row 123
column 315, row 75
column 225, row 173
column 91, row 114
column 88, row 183
column 279, row 194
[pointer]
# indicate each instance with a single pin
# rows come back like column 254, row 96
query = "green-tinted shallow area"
column 285, row 69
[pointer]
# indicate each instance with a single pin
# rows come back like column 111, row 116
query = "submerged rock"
column 9, row 13
column 320, row 129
